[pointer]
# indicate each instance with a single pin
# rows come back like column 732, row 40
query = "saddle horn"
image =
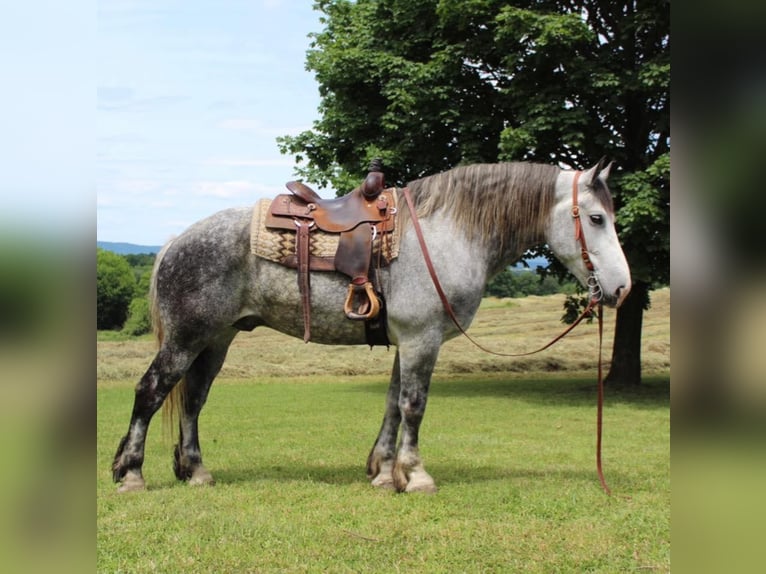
column 373, row 184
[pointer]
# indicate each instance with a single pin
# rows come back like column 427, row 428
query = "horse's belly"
column 325, row 331
column 280, row 306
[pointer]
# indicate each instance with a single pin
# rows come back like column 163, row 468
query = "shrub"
column 139, row 317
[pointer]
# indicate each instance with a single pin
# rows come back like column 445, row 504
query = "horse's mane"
column 491, row 202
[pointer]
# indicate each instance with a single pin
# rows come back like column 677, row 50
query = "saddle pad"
column 277, row 244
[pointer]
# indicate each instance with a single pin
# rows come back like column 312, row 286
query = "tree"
column 522, row 282
column 432, row 84
column 115, row 285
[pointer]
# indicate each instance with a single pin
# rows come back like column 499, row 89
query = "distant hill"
column 127, row 248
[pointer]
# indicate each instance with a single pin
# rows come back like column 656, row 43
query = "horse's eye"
column 597, row 219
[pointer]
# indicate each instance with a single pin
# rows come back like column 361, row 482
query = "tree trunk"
column 626, row 351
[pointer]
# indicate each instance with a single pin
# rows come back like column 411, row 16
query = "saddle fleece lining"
column 276, row 244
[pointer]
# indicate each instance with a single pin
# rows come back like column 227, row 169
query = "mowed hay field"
column 504, row 325
column 510, row 443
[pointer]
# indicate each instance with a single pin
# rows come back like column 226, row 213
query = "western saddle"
column 359, row 217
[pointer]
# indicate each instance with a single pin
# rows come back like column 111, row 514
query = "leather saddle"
column 358, row 218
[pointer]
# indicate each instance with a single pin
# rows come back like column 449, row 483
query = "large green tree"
column 432, row 84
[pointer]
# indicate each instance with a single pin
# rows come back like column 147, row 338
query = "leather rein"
column 594, row 290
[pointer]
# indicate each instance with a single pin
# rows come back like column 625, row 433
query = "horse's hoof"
column 132, row 482
column 421, row 481
column 201, row 477
column 415, row 479
column 383, row 482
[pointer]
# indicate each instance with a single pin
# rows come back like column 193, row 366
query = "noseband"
column 592, row 282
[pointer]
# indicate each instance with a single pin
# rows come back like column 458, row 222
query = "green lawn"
column 513, row 456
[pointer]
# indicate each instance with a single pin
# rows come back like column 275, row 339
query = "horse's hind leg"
column 380, row 463
column 167, row 368
column 187, row 458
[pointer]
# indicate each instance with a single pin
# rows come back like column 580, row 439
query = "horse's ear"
column 603, row 175
column 598, row 171
column 590, row 175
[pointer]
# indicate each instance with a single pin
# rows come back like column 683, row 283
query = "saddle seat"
column 357, row 217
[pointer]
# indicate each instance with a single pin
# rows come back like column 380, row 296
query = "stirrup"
column 368, row 308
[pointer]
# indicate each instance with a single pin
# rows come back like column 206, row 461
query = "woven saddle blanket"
column 279, row 245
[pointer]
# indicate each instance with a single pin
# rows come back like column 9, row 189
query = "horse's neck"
column 468, row 257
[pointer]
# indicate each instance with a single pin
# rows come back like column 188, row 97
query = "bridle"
column 592, row 282
column 594, row 290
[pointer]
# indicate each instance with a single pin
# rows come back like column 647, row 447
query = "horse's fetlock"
column 376, row 460
column 123, row 463
column 184, row 464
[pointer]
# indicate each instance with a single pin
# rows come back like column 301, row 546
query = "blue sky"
column 191, row 95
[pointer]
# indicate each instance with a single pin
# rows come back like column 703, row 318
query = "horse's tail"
column 173, row 404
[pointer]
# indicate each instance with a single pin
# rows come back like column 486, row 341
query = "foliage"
column 115, row 287
column 644, row 220
column 573, row 307
column 140, row 259
column 139, row 320
column 122, row 291
column 522, row 282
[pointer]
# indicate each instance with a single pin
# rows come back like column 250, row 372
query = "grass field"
column 510, row 443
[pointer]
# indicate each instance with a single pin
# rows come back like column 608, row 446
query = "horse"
column 207, row 286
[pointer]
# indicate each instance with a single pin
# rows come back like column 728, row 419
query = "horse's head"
column 581, row 234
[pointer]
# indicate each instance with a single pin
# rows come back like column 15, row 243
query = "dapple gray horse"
column 207, row 286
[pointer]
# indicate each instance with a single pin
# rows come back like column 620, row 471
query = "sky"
column 191, row 96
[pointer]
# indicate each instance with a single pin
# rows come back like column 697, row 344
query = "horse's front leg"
column 380, row 463
column 417, row 362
